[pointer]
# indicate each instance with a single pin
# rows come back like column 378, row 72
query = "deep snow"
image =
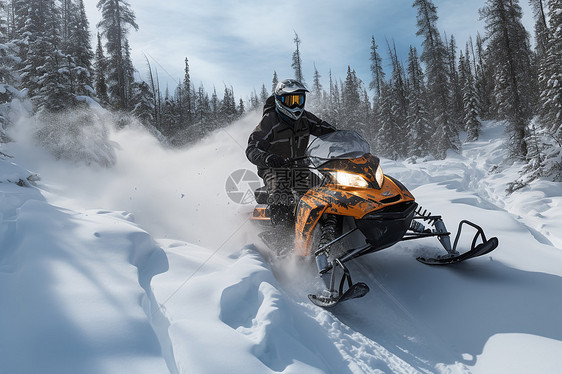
column 146, row 267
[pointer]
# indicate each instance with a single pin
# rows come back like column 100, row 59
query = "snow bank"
column 74, row 286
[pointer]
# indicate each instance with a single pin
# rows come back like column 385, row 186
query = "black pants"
column 283, row 186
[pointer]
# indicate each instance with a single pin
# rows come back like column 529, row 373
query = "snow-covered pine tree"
column 143, row 103
column 228, row 111
column 330, row 110
column 351, row 101
column 9, row 78
column 377, row 71
column 297, row 62
column 419, row 129
column 457, row 112
column 129, row 71
column 4, row 14
column 186, row 104
column 117, row 17
column 202, row 113
column 337, row 103
column 542, row 32
column 399, row 101
column 542, row 42
column 78, row 50
column 241, row 108
column 170, row 124
column 509, row 58
column 386, row 135
column 434, row 55
column 155, row 94
column 254, row 101
column 315, row 98
column 316, row 85
column 551, row 74
column 263, row 94
column 483, row 80
column 366, row 114
column 100, row 69
column 213, row 122
column 45, row 71
column 545, row 156
column 274, row 82
column 471, row 122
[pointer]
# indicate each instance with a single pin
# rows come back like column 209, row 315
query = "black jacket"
column 285, row 138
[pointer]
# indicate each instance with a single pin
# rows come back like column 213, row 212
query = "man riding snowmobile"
column 280, row 138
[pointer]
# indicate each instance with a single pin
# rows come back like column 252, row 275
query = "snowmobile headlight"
column 349, row 179
column 379, row 176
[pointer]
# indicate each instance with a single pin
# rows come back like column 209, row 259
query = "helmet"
column 290, row 97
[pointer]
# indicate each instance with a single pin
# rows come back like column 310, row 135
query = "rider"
column 279, row 140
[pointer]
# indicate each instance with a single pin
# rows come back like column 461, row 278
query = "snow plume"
column 173, row 193
column 79, row 135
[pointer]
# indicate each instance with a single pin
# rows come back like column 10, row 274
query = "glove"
column 274, row 161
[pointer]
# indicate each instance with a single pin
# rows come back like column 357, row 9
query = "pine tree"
column 100, row 68
column 78, row 49
column 297, row 62
column 509, row 58
column 186, row 104
column 228, row 111
column 9, row 79
column 351, row 101
column 471, row 123
column 117, row 17
column 545, row 139
column 377, row 71
column 143, row 103
column 387, row 137
column 263, row 94
column 203, row 112
column 8, row 60
column 315, row 96
column 434, row 56
column 128, row 71
column 169, row 116
column 399, row 103
column 337, row 116
column 213, row 122
column 274, row 82
column 457, row 112
column 551, row 74
column 419, row 129
column 365, row 111
column 43, row 66
column 241, row 108
column 483, row 78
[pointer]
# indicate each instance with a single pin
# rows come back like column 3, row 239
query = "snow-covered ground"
column 147, row 267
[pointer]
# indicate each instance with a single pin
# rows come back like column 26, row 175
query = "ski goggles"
column 293, row 100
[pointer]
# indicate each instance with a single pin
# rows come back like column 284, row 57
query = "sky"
column 240, row 43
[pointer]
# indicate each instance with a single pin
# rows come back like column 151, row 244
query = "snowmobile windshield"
column 344, row 144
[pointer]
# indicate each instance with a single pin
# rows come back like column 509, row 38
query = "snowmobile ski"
column 479, row 250
column 355, row 291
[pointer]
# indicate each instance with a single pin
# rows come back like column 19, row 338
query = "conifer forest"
column 428, row 103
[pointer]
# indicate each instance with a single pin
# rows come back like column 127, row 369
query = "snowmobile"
column 353, row 209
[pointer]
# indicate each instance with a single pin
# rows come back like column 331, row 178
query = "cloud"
column 240, row 43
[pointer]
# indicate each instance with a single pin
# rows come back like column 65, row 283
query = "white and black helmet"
column 290, row 96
